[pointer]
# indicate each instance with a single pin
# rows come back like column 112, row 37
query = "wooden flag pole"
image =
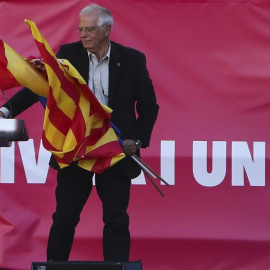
column 154, row 184
column 151, row 170
column 142, row 166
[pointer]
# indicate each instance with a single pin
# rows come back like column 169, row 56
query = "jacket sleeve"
column 21, row 101
column 146, row 104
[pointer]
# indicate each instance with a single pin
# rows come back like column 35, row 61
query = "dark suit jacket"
column 129, row 87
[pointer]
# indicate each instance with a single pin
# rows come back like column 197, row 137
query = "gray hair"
column 105, row 15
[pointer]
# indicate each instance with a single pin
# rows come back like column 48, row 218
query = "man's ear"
column 108, row 29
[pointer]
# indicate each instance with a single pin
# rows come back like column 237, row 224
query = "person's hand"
column 129, row 147
column 2, row 115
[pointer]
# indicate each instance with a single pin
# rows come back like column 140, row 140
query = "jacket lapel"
column 83, row 64
column 115, row 67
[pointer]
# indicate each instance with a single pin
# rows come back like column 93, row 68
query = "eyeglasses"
column 87, row 30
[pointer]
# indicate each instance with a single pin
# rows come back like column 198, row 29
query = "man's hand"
column 2, row 115
column 129, row 147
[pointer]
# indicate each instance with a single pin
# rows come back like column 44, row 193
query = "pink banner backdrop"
column 210, row 65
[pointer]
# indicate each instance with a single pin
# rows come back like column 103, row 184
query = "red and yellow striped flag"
column 16, row 70
column 76, row 126
column 7, row 80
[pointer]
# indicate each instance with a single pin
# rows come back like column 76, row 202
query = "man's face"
column 93, row 37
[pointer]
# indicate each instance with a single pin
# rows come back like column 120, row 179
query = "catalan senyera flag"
column 7, row 80
column 14, row 69
column 76, row 126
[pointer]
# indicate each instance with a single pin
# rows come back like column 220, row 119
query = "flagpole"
column 151, row 170
column 142, row 166
column 145, row 168
column 154, row 184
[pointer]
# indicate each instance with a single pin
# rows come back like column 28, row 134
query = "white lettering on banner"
column 241, row 162
column 167, row 162
column 140, row 180
column 7, row 164
column 242, row 159
column 36, row 172
column 167, row 165
column 201, row 175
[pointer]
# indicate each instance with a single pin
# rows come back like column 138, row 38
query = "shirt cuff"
column 5, row 111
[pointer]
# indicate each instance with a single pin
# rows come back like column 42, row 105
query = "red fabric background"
column 210, row 65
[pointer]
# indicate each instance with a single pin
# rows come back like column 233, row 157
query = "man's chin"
column 86, row 45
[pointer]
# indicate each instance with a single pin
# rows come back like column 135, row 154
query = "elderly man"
column 119, row 78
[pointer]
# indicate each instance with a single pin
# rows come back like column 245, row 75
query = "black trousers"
column 74, row 186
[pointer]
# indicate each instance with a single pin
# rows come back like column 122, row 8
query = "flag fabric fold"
column 76, row 126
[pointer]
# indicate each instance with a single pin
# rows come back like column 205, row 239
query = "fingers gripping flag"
column 76, row 126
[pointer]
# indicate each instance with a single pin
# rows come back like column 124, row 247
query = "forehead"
column 90, row 19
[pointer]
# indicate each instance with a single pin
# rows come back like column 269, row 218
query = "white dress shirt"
column 99, row 76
